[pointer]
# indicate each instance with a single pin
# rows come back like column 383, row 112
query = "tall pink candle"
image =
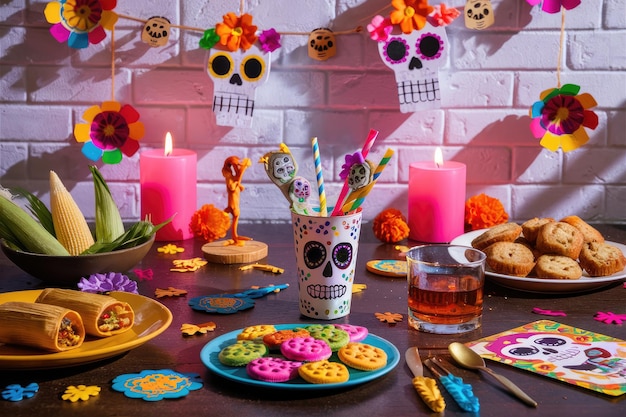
column 436, row 201
column 168, row 187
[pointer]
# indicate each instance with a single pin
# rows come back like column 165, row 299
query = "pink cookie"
column 356, row 333
column 305, row 349
column 272, row 369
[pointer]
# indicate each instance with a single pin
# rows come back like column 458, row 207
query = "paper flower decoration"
column 270, row 40
column 610, row 318
column 380, row 28
column 554, row 6
column 556, row 313
column 210, row 223
column 209, row 39
column 144, row 274
column 110, row 281
column 391, row 318
column 112, row 130
column 157, row 385
column 169, row 292
column 80, row 22
column 236, row 32
column 562, row 115
column 171, row 249
column 410, row 15
column 355, row 158
column 221, row 303
column 187, row 265
column 16, row 392
column 443, row 15
column 80, row 392
column 189, row 329
column 483, row 211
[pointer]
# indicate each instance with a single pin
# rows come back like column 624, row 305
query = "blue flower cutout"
column 152, row 385
column 16, row 392
column 110, row 281
column 221, row 303
column 260, row 292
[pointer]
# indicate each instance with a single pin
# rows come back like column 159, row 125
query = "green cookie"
column 242, row 352
column 335, row 337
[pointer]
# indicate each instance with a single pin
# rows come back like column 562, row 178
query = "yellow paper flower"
column 170, row 249
column 80, row 392
column 410, row 14
column 236, row 32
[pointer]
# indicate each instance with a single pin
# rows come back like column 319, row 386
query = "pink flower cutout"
column 270, row 40
column 144, row 274
column 610, row 318
column 554, row 6
column 355, row 158
column 543, row 312
column 443, row 15
column 380, row 28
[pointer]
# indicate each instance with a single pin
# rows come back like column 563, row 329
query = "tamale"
column 102, row 315
column 44, row 326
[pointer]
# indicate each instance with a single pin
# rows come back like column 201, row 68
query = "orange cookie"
column 256, row 331
column 362, row 356
column 506, row 232
column 557, row 267
column 510, row 258
column 324, row 372
column 590, row 234
column 601, row 259
column 560, row 238
column 274, row 340
column 530, row 228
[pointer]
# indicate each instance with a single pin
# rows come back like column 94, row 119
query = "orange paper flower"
column 390, row 226
column 236, row 32
column 482, row 212
column 410, row 14
column 210, row 223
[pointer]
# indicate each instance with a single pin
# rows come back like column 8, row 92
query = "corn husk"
column 93, row 308
column 39, row 325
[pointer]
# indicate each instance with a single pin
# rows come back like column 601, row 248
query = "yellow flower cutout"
column 170, row 249
column 187, row 265
column 169, row 292
column 358, row 288
column 391, row 318
column 191, row 329
column 80, row 392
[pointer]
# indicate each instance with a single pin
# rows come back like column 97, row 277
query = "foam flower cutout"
column 380, row 28
column 270, row 40
column 169, row 292
column 483, row 211
column 610, row 318
column 410, row 14
column 556, row 313
column 188, row 265
column 80, row 22
column 16, row 392
column 356, row 288
column 561, row 116
column 554, row 6
column 263, row 267
column 391, row 318
column 170, row 249
column 80, row 392
column 355, row 158
column 107, row 282
column 236, row 32
column 152, row 385
column 191, row 329
column 111, row 131
column 221, row 303
column 144, row 274
column 209, row 39
column 443, row 15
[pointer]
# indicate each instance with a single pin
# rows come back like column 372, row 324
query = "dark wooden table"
column 390, row 395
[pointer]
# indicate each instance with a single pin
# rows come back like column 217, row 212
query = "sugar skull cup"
column 326, row 252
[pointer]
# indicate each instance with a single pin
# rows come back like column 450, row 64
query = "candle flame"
column 438, row 157
column 168, row 144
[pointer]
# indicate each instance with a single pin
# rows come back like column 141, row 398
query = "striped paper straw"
column 320, row 177
column 369, row 142
column 359, row 196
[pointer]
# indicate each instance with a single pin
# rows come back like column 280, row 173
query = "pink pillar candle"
column 168, row 187
column 436, row 201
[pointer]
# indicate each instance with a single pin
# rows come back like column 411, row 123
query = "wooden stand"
column 221, row 253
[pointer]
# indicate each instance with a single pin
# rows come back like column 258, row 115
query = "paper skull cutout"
column 322, row 44
column 156, row 31
column 236, row 76
column 416, row 58
column 300, row 189
column 478, row 14
column 360, row 175
column 283, row 168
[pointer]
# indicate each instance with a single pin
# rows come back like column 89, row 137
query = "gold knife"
column 425, row 387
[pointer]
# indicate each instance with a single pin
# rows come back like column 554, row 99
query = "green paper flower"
column 209, row 39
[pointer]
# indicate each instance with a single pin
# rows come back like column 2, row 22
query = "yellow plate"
column 151, row 319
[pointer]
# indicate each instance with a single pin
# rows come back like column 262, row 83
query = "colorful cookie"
column 274, row 340
column 257, row 331
column 362, row 356
column 307, row 349
column 273, row 369
column 356, row 333
column 242, row 352
column 324, row 372
column 387, row 267
column 335, row 337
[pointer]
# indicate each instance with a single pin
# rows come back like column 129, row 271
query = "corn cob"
column 109, row 225
column 25, row 232
column 70, row 225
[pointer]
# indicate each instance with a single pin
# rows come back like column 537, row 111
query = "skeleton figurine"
column 156, row 31
column 232, row 171
column 322, row 44
column 299, row 193
column 281, row 168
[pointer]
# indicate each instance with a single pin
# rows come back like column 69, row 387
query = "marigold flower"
column 236, row 32
column 410, row 14
column 390, row 226
column 210, row 223
column 483, row 211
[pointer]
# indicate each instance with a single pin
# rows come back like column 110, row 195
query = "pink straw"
column 369, row 142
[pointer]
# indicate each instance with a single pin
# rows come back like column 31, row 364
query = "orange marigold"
column 236, row 32
column 210, row 223
column 483, row 211
column 390, row 226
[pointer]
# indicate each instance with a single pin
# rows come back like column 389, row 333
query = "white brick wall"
column 488, row 84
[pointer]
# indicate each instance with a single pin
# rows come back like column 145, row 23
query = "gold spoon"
column 467, row 358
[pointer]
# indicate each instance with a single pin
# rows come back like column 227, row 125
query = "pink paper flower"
column 355, row 158
column 443, row 15
column 380, row 28
column 270, row 40
column 554, row 6
column 610, row 318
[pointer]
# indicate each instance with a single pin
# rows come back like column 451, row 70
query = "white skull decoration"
column 360, row 175
column 478, row 14
column 236, row 76
column 416, row 58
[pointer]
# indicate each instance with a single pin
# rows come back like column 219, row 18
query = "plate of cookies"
column 545, row 255
column 300, row 356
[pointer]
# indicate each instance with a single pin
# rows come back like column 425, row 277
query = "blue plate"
column 210, row 352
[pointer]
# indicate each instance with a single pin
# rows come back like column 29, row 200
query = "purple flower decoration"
column 110, row 281
column 610, row 318
column 16, row 392
column 355, row 158
column 270, row 40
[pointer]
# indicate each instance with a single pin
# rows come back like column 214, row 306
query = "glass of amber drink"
column 445, row 285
